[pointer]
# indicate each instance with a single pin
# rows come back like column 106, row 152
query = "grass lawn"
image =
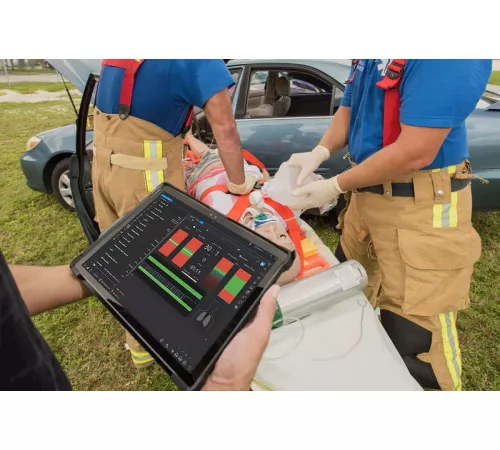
column 34, row 229
column 495, row 78
column 35, row 71
column 33, row 87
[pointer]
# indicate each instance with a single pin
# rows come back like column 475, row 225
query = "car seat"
column 282, row 105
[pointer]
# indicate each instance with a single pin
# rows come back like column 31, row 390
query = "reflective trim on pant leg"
column 437, row 218
column 451, row 348
column 140, row 357
column 147, row 173
column 445, row 215
column 453, row 210
column 153, row 149
column 159, row 149
column 139, row 354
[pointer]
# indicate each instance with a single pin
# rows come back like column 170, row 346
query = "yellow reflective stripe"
column 455, row 339
column 452, row 169
column 139, row 353
column 453, row 210
column 436, row 170
column 437, row 218
column 451, row 349
column 147, row 173
column 159, row 150
column 153, row 149
column 141, row 361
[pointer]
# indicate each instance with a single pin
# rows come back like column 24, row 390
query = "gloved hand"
column 308, row 161
column 318, row 193
column 246, row 187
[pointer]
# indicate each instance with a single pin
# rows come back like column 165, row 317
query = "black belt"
column 406, row 189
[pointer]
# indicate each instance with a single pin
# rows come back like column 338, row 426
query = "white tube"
column 303, row 297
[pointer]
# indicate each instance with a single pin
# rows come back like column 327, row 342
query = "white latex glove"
column 246, row 187
column 308, row 161
column 318, row 193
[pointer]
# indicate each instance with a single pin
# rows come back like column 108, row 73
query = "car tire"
column 61, row 187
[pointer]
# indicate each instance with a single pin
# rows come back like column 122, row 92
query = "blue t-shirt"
column 165, row 89
column 435, row 93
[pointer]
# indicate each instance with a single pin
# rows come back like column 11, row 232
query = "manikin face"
column 275, row 232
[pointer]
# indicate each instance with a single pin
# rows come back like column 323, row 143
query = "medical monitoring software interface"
column 181, row 278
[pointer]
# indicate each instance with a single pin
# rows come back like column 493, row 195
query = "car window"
column 235, row 73
column 489, row 98
column 305, row 83
column 308, row 95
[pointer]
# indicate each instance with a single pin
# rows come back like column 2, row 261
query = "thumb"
column 304, row 173
column 267, row 308
column 299, row 192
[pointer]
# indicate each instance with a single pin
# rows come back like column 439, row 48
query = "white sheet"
column 362, row 357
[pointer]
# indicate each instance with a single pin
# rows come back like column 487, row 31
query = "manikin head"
column 273, row 229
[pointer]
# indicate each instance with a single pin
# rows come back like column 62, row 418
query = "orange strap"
column 251, row 159
column 293, row 229
column 217, row 187
column 314, row 264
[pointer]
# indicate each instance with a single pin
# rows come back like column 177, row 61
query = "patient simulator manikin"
column 208, row 171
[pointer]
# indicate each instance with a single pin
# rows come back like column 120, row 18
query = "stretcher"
column 326, row 335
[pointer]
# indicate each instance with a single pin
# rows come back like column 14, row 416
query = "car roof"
column 336, row 68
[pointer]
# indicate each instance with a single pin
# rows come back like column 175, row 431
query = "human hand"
column 238, row 363
column 308, row 161
column 246, row 187
column 318, row 193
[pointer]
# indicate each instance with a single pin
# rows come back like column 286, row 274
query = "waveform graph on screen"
column 168, row 247
column 187, row 252
column 217, row 274
column 234, row 286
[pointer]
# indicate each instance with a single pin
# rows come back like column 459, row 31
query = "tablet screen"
column 181, row 276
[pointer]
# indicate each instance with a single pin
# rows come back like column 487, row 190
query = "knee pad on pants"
column 411, row 340
column 339, row 253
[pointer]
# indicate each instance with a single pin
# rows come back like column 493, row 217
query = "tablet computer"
column 182, row 279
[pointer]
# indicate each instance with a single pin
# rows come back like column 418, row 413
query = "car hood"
column 76, row 71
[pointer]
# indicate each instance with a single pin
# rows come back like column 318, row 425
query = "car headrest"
column 283, row 86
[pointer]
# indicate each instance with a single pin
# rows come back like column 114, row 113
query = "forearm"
column 45, row 288
column 336, row 136
column 221, row 119
column 228, row 143
column 415, row 149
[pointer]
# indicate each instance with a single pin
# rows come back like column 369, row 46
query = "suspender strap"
column 392, row 100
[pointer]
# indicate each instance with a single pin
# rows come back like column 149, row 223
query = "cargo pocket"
column 437, row 267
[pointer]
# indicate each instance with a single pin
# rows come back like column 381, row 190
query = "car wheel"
column 61, row 186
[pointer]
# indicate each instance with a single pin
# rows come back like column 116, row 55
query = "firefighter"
column 408, row 214
column 143, row 111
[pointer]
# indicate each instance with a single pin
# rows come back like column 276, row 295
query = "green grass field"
column 495, row 78
column 30, row 87
column 34, row 229
column 35, row 71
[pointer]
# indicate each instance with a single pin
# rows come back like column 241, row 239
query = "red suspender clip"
column 392, row 99
column 354, row 67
